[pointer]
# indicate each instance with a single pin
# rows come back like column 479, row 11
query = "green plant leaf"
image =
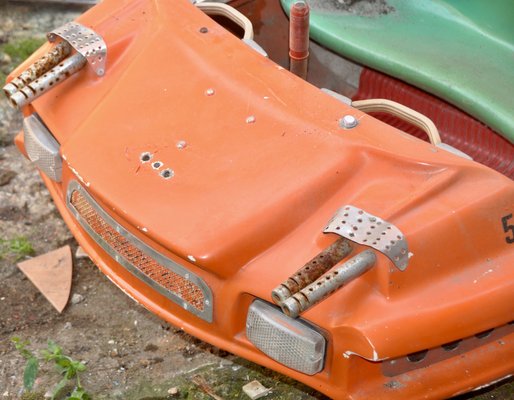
column 62, row 383
column 79, row 394
column 30, row 373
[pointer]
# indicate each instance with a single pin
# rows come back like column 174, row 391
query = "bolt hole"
column 167, row 173
column 145, row 157
column 204, row 29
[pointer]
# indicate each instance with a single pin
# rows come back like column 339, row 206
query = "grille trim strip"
column 205, row 314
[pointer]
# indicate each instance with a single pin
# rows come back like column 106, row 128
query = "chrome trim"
column 207, row 312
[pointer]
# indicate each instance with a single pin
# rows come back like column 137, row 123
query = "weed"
column 68, row 368
column 19, row 247
column 32, row 365
column 19, row 51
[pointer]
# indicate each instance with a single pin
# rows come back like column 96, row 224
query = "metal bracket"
column 86, row 42
column 361, row 227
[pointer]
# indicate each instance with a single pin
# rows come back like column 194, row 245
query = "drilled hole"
column 157, row 165
column 203, row 29
column 145, row 157
column 418, row 356
column 167, row 173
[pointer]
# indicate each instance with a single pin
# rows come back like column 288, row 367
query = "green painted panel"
column 459, row 50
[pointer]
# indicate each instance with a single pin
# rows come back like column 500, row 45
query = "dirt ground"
column 129, row 352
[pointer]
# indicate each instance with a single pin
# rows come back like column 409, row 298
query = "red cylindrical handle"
column 299, row 30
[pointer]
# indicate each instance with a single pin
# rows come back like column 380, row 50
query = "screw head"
column 181, row 144
column 209, row 92
column 250, row 119
column 348, row 122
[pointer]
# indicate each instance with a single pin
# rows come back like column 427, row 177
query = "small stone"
column 255, row 390
column 110, row 341
column 6, row 176
column 5, row 59
column 68, row 325
column 151, row 347
column 77, row 298
column 173, row 391
column 80, row 253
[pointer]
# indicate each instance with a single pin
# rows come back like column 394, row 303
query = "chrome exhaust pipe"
column 38, row 68
column 311, row 271
column 48, row 80
column 328, row 283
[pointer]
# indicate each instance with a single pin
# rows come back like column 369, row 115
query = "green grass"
column 17, row 248
column 19, row 50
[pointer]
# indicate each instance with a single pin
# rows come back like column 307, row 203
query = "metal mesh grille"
column 164, row 277
column 284, row 339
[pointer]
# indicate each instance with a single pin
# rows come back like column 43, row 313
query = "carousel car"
column 353, row 230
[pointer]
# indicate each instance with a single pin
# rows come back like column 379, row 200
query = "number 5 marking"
column 508, row 229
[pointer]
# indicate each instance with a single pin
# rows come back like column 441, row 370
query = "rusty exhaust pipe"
column 328, row 283
column 299, row 38
column 311, row 271
column 38, row 68
column 48, row 80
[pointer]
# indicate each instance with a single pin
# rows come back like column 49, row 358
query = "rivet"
column 250, row 119
column 209, row 92
column 181, row 144
column 207, row 302
column 348, row 122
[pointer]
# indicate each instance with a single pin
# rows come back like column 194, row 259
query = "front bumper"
column 344, row 375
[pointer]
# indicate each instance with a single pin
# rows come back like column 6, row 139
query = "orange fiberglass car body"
column 199, row 175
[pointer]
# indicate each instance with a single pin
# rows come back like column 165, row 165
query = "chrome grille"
column 163, row 274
